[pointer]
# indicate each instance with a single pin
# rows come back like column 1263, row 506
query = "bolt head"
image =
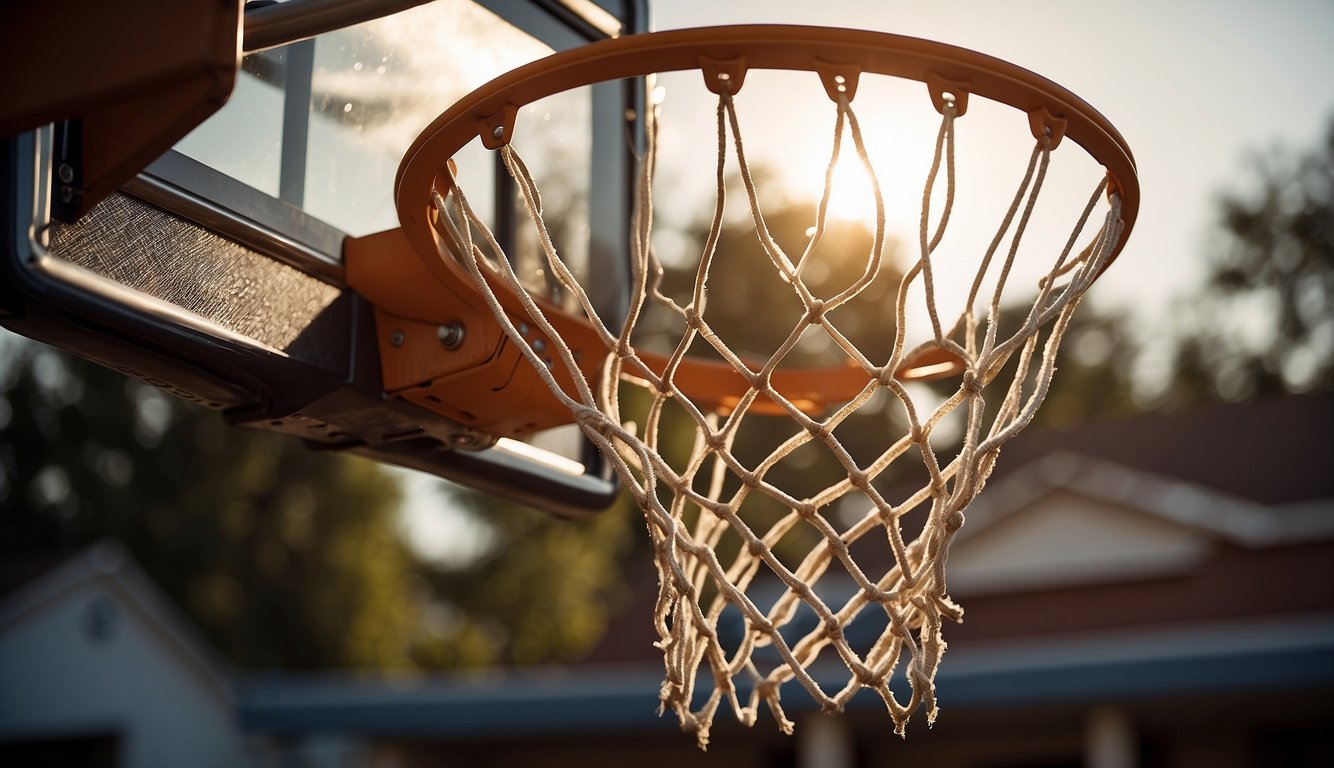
column 450, row 336
column 396, row 338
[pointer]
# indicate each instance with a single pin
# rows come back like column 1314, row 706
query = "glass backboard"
column 217, row 272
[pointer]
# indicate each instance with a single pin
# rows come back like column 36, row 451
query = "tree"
column 284, row 556
column 754, row 310
column 1264, row 326
column 545, row 590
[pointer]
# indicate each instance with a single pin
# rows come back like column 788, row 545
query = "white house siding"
column 60, row 680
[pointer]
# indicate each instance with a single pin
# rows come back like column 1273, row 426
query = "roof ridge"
column 1236, row 519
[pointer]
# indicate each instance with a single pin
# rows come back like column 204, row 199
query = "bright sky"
column 1193, row 86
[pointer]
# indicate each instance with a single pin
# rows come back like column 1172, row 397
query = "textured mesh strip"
column 790, row 623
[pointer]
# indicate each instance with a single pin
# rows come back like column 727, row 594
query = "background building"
column 1152, row 592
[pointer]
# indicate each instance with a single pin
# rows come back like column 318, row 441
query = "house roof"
column 1272, row 654
column 109, row 564
column 1220, row 515
column 1274, row 452
column 1271, row 484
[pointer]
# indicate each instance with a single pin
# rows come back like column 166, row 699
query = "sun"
column 853, row 194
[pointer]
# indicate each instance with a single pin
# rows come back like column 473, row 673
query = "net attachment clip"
column 943, row 90
column 838, row 79
column 1043, row 123
column 497, row 130
column 723, row 75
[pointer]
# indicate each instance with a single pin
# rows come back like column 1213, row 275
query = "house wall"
column 91, row 662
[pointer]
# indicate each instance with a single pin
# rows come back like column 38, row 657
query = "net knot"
column 971, row 383
column 878, row 596
column 918, row 675
column 689, row 723
column 815, row 311
column 767, row 689
column 954, row 522
column 859, row 479
column 832, row 629
column 693, row 318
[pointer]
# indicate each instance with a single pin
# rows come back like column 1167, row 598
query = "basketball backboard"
column 217, row 270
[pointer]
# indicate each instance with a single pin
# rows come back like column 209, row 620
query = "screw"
column 451, row 336
column 463, row 439
column 67, row 195
column 66, row 173
column 396, row 338
column 498, row 132
column 522, row 328
column 539, row 346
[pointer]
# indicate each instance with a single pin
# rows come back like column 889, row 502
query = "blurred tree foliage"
column 1265, row 323
column 285, row 557
column 753, row 310
column 545, row 590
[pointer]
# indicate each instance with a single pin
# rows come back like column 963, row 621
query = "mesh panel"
column 158, row 254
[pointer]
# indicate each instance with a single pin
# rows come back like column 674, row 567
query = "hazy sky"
column 1193, row 86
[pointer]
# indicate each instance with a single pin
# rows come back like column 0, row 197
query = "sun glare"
column 853, row 194
column 897, row 170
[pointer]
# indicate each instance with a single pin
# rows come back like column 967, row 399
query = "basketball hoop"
column 692, row 504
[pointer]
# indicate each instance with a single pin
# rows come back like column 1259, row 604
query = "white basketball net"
column 681, row 501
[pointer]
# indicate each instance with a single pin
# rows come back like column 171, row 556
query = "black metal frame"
column 325, row 388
